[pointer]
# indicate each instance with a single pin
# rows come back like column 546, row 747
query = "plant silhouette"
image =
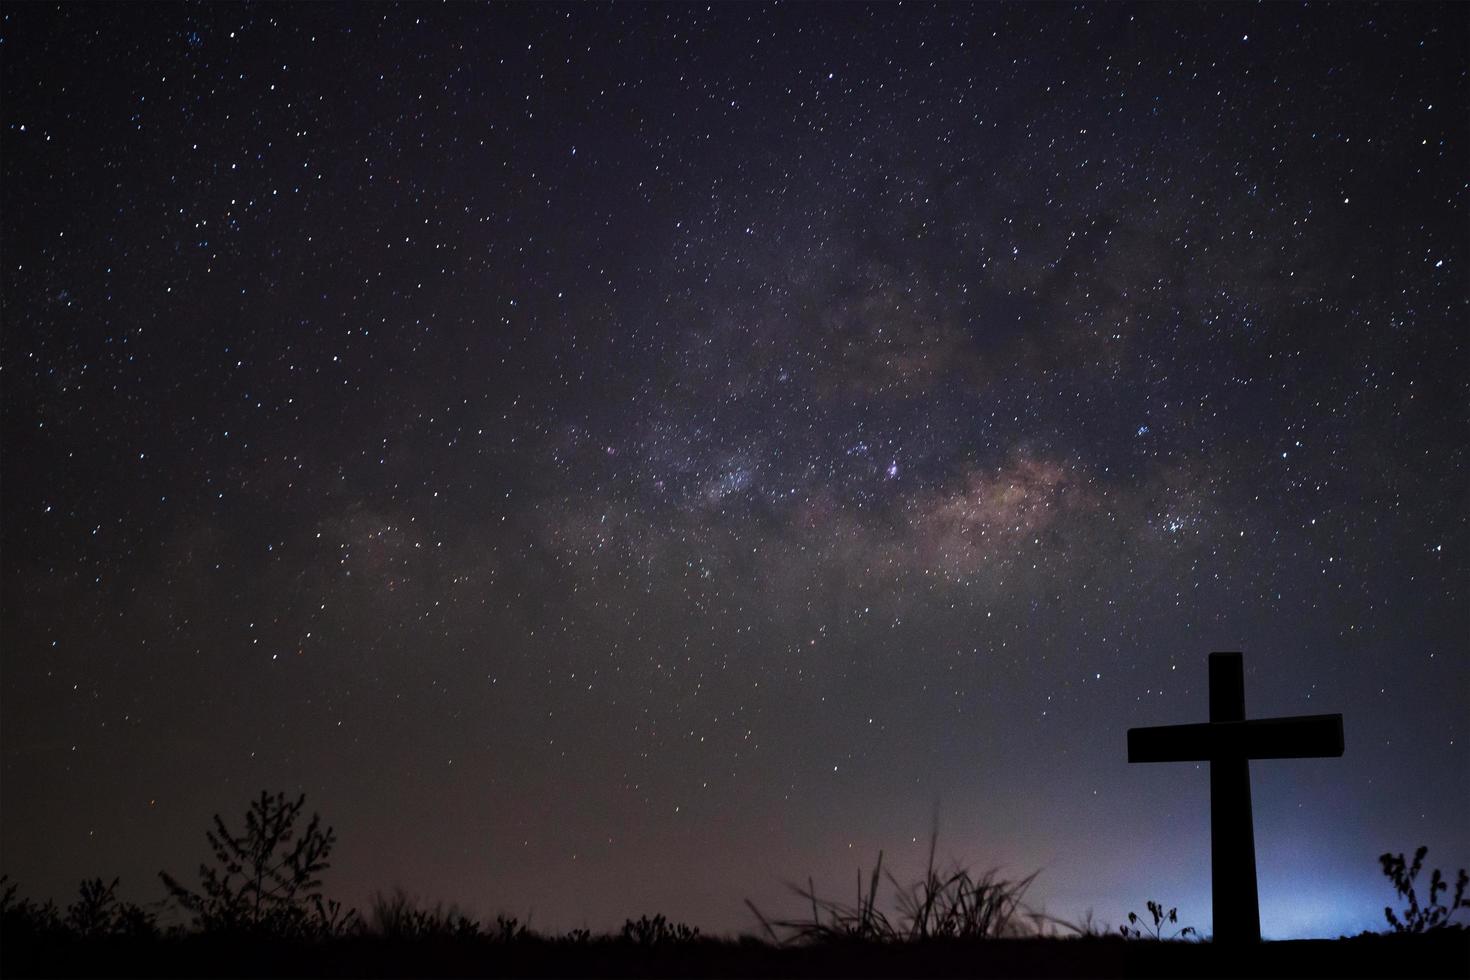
column 958, row 904
column 265, row 879
column 97, row 912
column 1417, row 918
column 24, row 917
column 656, row 931
column 397, row 915
column 1139, row 929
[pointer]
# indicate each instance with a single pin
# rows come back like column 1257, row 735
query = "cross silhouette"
column 1228, row 742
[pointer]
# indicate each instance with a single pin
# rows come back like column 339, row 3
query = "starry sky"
column 619, row 459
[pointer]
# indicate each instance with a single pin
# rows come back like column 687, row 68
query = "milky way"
column 617, row 460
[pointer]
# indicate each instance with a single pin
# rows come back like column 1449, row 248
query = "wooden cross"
column 1228, row 742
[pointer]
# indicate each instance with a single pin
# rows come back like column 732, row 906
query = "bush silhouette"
column 398, row 915
column 1417, row 918
column 97, row 912
column 656, row 931
column 265, row 879
column 26, row 918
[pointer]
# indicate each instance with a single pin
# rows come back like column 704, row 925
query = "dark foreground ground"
column 1442, row 954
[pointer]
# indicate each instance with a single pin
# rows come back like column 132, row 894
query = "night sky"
column 615, row 460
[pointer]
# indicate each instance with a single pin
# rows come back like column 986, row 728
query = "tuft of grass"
column 1086, row 927
column 952, row 904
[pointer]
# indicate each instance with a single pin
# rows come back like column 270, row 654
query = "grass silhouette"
column 954, row 904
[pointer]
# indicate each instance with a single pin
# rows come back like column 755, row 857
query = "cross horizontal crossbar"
column 1299, row 737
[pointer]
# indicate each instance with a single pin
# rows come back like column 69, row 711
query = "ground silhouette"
column 260, row 911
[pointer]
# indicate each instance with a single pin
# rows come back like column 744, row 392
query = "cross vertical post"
column 1232, row 832
column 1228, row 742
